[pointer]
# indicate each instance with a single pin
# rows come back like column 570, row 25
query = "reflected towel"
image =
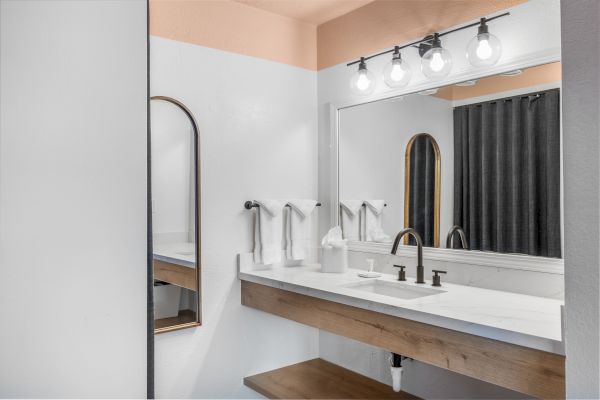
column 350, row 218
column 373, row 215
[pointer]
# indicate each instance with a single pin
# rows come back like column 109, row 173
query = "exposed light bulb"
column 436, row 63
column 397, row 72
column 362, row 81
column 484, row 50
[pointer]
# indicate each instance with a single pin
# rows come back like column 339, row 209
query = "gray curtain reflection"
column 507, row 174
column 422, row 189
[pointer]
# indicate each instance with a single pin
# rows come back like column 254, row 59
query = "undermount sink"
column 393, row 289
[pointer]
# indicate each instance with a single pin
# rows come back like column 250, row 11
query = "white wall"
column 258, row 137
column 73, row 198
column 372, row 143
column 581, row 125
column 532, row 28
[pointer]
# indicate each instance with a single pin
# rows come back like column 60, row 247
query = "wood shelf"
column 319, row 379
column 184, row 317
column 174, row 274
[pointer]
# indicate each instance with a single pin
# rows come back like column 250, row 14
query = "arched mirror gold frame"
column 436, row 190
column 186, row 279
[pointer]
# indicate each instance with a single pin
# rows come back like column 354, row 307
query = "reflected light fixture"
column 436, row 63
column 363, row 80
column 484, row 50
column 397, row 73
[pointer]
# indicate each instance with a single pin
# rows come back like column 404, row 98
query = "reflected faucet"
column 461, row 233
column 415, row 234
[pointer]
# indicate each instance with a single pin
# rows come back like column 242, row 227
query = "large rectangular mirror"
column 175, row 215
column 481, row 159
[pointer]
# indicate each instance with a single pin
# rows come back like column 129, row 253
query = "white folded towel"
column 350, row 218
column 373, row 214
column 267, row 231
column 298, row 228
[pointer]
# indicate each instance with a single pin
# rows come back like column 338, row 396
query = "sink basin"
column 398, row 290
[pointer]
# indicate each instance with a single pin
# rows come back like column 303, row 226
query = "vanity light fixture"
column 363, row 80
column 397, row 73
column 436, row 62
column 484, row 50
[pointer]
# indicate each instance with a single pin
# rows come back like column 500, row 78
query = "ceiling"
column 314, row 12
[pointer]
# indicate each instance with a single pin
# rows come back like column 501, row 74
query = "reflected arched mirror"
column 175, row 215
column 422, row 189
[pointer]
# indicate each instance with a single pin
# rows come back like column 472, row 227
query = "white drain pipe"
column 396, row 371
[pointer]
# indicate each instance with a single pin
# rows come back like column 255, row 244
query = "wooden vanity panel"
column 529, row 371
column 175, row 274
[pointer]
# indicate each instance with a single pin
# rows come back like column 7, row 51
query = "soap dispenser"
column 370, row 273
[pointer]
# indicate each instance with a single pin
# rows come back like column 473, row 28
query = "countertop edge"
column 490, row 332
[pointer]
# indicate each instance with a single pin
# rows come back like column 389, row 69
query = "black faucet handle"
column 401, row 272
column 437, row 281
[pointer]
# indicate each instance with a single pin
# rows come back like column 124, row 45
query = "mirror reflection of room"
column 174, row 190
column 494, row 183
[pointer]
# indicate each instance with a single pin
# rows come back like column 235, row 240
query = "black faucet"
column 461, row 233
column 415, row 234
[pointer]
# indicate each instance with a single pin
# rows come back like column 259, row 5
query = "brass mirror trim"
column 198, row 218
column 436, row 190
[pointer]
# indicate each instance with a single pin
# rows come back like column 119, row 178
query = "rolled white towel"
column 350, row 218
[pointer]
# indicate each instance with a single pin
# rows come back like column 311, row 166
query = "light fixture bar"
column 428, row 38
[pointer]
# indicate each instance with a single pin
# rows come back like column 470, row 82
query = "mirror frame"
column 498, row 260
column 436, row 183
column 197, row 220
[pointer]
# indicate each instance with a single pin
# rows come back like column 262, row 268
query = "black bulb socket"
column 362, row 65
column 483, row 28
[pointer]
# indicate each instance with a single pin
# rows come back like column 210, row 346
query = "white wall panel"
column 73, row 79
column 258, row 136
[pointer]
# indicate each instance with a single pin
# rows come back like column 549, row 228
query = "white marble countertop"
column 524, row 320
column 182, row 253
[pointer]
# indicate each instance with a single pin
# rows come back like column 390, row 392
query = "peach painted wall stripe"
column 235, row 27
column 384, row 23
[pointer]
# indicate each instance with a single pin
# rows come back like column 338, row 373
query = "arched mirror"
column 175, row 192
column 422, row 189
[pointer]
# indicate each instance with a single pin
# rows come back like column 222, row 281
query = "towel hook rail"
column 248, row 205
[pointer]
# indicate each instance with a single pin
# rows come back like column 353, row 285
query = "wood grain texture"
column 175, row 274
column 529, row 371
column 319, row 379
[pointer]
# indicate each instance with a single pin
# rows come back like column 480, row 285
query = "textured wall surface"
column 73, row 199
column 581, row 125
